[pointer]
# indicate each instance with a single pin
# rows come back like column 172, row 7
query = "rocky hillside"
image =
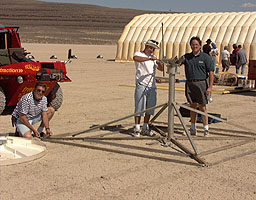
column 44, row 22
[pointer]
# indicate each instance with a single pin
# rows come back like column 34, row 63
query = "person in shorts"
column 31, row 109
column 198, row 69
column 145, row 92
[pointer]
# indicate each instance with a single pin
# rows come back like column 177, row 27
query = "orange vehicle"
column 18, row 73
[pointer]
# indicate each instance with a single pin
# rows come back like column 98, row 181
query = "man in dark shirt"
column 241, row 60
column 207, row 48
column 198, row 67
column 233, row 55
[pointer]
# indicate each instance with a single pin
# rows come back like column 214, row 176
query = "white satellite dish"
column 14, row 150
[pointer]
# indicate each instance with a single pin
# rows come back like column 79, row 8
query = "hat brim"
column 152, row 45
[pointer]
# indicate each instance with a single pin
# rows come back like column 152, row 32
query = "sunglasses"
column 154, row 42
column 38, row 90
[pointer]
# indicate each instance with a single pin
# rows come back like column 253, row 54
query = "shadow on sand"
column 128, row 147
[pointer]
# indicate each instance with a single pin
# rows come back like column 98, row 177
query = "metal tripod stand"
column 172, row 65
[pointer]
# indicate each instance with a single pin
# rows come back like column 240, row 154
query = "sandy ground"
column 128, row 169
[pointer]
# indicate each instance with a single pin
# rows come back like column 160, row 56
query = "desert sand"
column 128, row 168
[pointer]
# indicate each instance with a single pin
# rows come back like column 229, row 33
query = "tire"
column 2, row 101
column 55, row 97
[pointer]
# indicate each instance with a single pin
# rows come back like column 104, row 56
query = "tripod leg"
column 159, row 113
column 185, row 128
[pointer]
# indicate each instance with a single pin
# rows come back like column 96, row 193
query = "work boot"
column 192, row 131
column 206, row 133
column 17, row 133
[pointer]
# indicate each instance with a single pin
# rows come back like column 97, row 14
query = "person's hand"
column 36, row 133
column 208, row 91
column 158, row 80
column 159, row 62
column 153, row 58
column 49, row 132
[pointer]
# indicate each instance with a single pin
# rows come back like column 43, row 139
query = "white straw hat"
column 152, row 43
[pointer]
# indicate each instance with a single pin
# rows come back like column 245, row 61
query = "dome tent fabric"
column 224, row 29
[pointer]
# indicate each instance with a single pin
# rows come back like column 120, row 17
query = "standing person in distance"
column 214, row 53
column 31, row 109
column 198, row 67
column 207, row 47
column 225, row 59
column 241, row 60
column 234, row 55
column 145, row 92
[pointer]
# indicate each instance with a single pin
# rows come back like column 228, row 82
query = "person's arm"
column 160, row 65
column 216, row 52
column 143, row 59
column 211, row 79
column 210, row 54
column 46, row 123
column 229, row 61
column 24, row 120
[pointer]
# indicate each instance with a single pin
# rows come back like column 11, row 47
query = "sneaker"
column 192, row 131
column 147, row 132
column 206, row 133
column 43, row 135
column 136, row 133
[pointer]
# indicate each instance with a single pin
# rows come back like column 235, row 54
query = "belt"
column 195, row 80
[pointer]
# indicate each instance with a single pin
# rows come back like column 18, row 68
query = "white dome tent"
column 224, row 29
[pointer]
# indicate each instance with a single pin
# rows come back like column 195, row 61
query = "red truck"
column 19, row 73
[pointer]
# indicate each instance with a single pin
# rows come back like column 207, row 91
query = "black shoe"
column 17, row 133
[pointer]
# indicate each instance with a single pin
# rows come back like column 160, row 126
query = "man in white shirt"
column 225, row 59
column 145, row 93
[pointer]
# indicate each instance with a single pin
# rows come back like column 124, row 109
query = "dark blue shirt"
column 197, row 67
column 207, row 48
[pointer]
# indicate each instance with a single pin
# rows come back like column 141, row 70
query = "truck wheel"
column 2, row 101
column 55, row 97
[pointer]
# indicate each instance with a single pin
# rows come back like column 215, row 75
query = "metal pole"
column 159, row 113
column 163, row 57
column 185, row 128
column 187, row 151
column 171, row 71
column 114, row 121
column 217, row 118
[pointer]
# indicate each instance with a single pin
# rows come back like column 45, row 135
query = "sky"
column 174, row 5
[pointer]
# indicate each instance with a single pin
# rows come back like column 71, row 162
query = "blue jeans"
column 238, row 68
column 214, row 60
column 145, row 97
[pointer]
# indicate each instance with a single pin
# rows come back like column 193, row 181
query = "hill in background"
column 65, row 23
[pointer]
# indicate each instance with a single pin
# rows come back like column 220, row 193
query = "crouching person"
column 31, row 109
